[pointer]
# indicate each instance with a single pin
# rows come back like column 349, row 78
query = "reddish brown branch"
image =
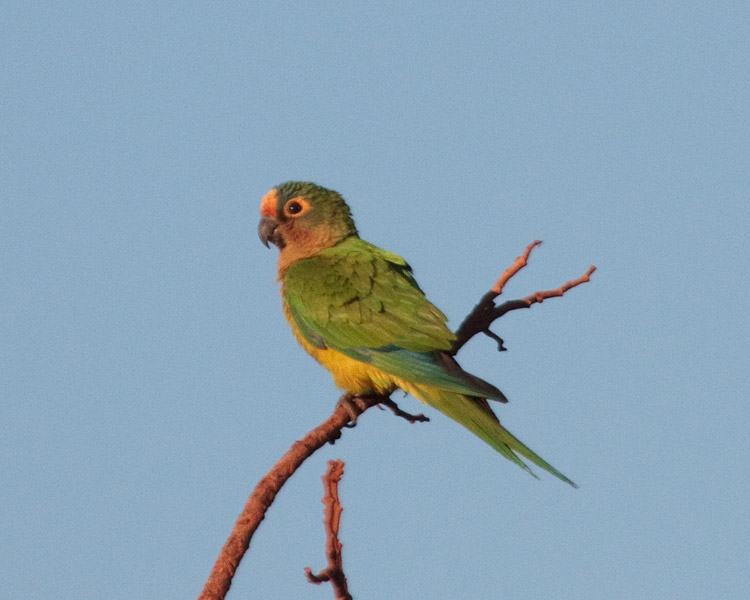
column 265, row 492
column 485, row 312
column 518, row 264
column 334, row 571
column 541, row 296
column 255, row 509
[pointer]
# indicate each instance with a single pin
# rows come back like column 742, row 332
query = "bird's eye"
column 296, row 207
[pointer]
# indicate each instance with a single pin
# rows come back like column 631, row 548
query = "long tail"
column 485, row 425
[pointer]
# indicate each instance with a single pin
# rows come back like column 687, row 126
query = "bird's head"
column 303, row 218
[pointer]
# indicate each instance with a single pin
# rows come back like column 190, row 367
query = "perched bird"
column 358, row 311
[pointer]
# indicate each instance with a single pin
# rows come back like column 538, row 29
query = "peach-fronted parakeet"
column 357, row 310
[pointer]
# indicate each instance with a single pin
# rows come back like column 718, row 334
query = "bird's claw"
column 354, row 406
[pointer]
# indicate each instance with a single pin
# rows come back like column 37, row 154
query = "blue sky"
column 149, row 379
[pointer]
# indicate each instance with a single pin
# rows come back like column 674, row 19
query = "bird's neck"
column 305, row 246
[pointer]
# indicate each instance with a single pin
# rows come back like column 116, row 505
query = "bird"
column 357, row 309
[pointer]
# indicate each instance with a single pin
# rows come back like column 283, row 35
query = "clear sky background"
column 149, row 379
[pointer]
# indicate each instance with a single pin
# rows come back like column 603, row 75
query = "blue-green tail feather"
column 479, row 421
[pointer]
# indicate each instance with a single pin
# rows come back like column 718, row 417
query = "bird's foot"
column 394, row 408
column 355, row 405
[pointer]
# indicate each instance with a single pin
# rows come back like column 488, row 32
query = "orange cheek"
column 269, row 203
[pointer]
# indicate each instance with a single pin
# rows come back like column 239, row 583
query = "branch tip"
column 541, row 296
column 518, row 264
column 485, row 312
column 334, row 571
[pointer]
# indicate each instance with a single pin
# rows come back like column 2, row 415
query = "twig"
column 539, row 297
column 485, row 312
column 518, row 264
column 334, row 571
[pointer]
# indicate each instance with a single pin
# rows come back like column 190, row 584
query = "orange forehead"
column 269, row 204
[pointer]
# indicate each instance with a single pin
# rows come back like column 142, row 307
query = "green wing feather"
column 358, row 295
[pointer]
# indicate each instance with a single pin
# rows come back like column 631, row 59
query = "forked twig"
column 485, row 312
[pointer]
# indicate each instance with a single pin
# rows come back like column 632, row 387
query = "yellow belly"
column 349, row 374
column 354, row 376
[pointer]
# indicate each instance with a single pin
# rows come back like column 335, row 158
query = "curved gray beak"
column 267, row 231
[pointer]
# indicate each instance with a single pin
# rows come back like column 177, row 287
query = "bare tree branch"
column 264, row 494
column 485, row 312
column 334, row 571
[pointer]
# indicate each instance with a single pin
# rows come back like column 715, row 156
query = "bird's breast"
column 349, row 374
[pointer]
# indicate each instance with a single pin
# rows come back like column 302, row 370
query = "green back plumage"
column 360, row 295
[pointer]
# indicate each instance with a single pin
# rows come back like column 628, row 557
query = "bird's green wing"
column 363, row 301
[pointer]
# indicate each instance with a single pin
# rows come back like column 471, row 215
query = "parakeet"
column 359, row 312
